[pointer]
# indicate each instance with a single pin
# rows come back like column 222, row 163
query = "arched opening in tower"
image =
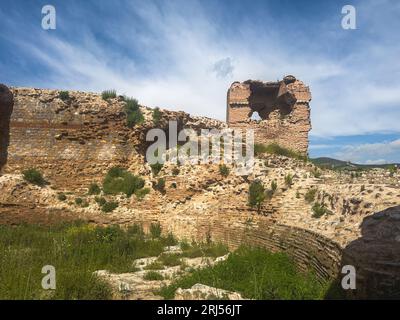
column 255, row 116
column 6, row 108
column 266, row 97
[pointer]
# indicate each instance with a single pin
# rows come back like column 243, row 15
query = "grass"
column 170, row 259
column 274, row 148
column 155, row 230
column 153, row 275
column 156, row 265
column 34, row 176
column 109, row 94
column 256, row 274
column 119, row 180
column 195, row 250
column 76, row 250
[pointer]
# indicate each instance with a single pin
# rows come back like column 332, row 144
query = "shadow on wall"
column 376, row 258
column 6, row 108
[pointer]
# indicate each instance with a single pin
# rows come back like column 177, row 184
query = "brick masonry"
column 283, row 107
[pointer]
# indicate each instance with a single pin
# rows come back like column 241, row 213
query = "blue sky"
column 183, row 55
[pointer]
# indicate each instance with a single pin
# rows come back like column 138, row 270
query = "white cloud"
column 371, row 152
column 223, row 68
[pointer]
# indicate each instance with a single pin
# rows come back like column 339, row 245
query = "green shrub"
column 274, row 148
column 288, row 180
column 310, row 195
column 223, row 170
column 94, row 189
column 109, row 206
column 78, row 201
column 100, row 201
column 63, row 95
column 160, row 185
column 156, row 168
column 155, row 230
column 109, row 94
column 157, row 115
column 133, row 114
column 153, row 276
column 319, row 209
column 256, row 195
column 61, row 196
column 34, row 176
column 119, row 180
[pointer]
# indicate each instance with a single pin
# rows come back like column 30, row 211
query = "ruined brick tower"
column 282, row 107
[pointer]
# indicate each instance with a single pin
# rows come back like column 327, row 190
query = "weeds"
column 109, row 94
column 256, row 274
column 76, row 250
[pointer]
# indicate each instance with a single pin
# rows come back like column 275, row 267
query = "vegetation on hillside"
column 276, row 149
column 157, row 115
column 63, row 95
column 34, row 176
column 109, row 94
column 76, row 250
column 133, row 114
column 256, row 274
column 119, row 180
column 256, row 195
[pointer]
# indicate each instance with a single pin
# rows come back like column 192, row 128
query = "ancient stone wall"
column 76, row 140
column 283, row 107
column 6, row 108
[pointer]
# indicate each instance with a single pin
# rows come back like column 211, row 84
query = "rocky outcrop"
column 6, row 108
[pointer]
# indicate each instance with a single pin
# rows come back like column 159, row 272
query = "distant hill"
column 325, row 162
